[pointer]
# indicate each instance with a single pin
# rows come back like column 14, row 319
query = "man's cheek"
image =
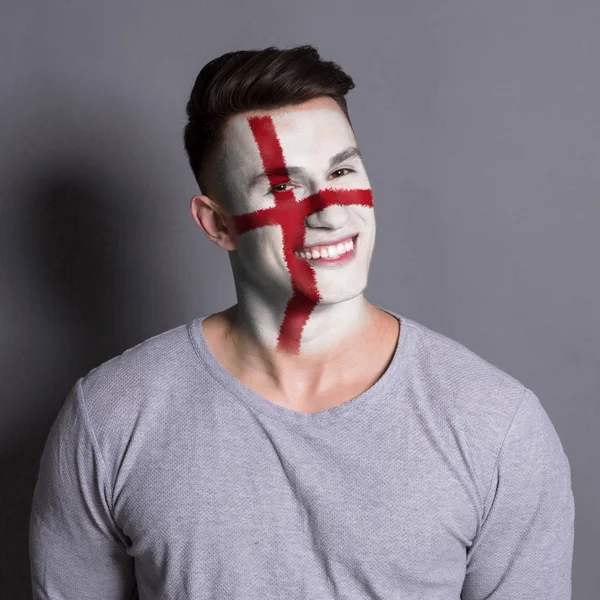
column 262, row 249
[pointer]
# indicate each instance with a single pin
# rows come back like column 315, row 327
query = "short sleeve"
column 75, row 548
column 524, row 547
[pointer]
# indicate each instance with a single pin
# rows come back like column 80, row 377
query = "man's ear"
column 212, row 219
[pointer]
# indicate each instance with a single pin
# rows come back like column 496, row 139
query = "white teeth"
column 327, row 252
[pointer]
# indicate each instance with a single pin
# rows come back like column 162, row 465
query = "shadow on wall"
column 79, row 248
column 70, row 230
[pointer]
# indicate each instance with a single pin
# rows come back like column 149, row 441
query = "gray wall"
column 479, row 123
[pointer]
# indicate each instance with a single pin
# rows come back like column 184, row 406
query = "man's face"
column 316, row 193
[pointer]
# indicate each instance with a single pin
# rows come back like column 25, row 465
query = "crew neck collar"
column 362, row 405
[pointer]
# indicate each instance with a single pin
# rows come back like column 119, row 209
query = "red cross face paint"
column 302, row 209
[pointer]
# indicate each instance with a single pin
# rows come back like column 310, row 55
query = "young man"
column 303, row 443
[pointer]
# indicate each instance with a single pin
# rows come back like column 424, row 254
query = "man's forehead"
column 303, row 128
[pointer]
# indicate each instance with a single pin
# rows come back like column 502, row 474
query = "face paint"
column 294, row 180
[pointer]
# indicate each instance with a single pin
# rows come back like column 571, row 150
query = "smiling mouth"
column 327, row 260
column 330, row 251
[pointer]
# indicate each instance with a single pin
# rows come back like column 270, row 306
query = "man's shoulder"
column 142, row 359
column 151, row 369
column 461, row 382
column 466, row 403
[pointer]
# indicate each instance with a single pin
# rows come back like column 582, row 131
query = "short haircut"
column 248, row 80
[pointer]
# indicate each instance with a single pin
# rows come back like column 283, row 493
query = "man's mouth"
column 329, row 251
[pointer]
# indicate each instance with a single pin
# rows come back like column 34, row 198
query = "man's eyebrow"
column 344, row 155
column 285, row 171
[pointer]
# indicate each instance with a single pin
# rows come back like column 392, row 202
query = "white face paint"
column 310, row 136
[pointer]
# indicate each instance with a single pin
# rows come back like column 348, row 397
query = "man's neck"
column 336, row 341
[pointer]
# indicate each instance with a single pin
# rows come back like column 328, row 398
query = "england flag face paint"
column 302, row 210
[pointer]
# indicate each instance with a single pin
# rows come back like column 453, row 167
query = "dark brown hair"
column 254, row 80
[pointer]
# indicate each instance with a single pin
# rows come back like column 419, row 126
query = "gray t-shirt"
column 165, row 477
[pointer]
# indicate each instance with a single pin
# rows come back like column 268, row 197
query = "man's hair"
column 253, row 80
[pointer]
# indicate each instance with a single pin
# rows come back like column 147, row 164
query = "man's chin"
column 339, row 297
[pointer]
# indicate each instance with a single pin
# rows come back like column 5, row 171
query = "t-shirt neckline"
column 360, row 406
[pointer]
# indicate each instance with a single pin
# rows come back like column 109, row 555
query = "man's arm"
column 524, row 548
column 76, row 550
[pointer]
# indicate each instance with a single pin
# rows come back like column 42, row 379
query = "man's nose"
column 332, row 217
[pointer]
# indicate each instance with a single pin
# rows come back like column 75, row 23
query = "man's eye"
column 279, row 188
column 341, row 173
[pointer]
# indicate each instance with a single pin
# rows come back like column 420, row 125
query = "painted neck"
column 328, row 328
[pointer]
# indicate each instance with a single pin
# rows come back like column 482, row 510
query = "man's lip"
column 333, row 243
